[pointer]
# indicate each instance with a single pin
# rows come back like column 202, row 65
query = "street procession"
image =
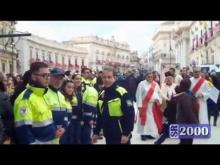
column 109, row 82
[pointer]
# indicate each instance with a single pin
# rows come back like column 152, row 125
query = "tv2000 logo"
column 189, row 131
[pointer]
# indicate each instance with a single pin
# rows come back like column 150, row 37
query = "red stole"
column 198, row 85
column 196, row 88
column 158, row 115
column 145, row 103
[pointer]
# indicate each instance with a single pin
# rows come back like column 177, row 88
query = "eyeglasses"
column 45, row 75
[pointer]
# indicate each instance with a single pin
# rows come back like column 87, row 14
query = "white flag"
column 213, row 94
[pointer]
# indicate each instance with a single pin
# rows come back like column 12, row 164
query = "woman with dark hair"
column 72, row 91
column 6, row 116
column 76, row 124
column 21, row 86
column 99, row 84
column 187, row 109
column 67, row 89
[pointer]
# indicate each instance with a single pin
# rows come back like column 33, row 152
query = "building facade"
column 8, row 54
column 134, row 61
column 102, row 52
column 162, row 52
column 35, row 48
column 204, row 42
column 181, row 36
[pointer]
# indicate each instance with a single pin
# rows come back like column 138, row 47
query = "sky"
column 137, row 34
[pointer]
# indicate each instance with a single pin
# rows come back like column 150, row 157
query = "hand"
column 200, row 95
column 95, row 138
column 139, row 109
column 7, row 141
column 124, row 139
column 157, row 101
column 59, row 132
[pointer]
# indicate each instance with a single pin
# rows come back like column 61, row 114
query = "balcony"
column 58, row 65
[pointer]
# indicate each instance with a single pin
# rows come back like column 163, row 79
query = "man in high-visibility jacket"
column 89, row 103
column 86, row 74
column 33, row 117
column 56, row 101
column 115, row 112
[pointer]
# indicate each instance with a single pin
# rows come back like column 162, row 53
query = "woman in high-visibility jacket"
column 84, row 109
column 67, row 90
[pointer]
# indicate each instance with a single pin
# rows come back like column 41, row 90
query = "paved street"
column 215, row 138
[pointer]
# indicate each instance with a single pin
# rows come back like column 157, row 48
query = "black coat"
column 130, row 84
column 17, row 92
column 170, row 111
column 6, row 113
column 186, row 112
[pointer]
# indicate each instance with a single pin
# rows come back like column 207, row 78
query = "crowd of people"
column 51, row 106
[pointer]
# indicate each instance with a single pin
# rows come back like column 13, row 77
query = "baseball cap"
column 57, row 72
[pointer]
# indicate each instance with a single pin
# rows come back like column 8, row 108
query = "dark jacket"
column 170, row 111
column 130, row 85
column 2, row 131
column 7, row 118
column 19, row 88
column 114, row 127
column 186, row 112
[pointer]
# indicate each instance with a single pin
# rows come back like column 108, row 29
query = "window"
column 10, row 68
column 3, row 66
column 50, row 57
column 56, row 58
column 207, row 56
column 43, row 55
column 82, row 62
column 37, row 55
column 69, row 61
column 62, row 59
column 75, row 60
column 97, row 51
column 31, row 51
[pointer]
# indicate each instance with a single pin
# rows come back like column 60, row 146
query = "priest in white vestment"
column 202, row 93
column 149, row 129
